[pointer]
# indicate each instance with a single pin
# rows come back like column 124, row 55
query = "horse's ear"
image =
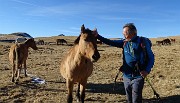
column 77, row 40
column 95, row 32
column 27, row 40
column 95, row 29
column 82, row 28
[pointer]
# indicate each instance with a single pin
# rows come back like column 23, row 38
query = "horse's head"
column 31, row 43
column 88, row 44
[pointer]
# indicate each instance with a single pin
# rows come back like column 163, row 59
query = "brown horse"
column 60, row 41
column 167, row 42
column 40, row 42
column 19, row 53
column 173, row 40
column 159, row 42
column 77, row 65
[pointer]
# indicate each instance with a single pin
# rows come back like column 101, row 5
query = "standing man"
column 134, row 68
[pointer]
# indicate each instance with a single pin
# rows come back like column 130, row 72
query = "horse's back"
column 12, row 54
column 20, row 50
column 63, row 40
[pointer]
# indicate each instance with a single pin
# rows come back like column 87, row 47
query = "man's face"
column 126, row 33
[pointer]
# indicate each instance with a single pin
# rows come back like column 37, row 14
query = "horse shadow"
column 28, row 84
column 111, row 88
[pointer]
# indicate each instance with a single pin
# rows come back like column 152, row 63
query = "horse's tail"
column 17, row 57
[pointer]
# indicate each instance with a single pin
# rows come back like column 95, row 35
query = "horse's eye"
column 87, row 40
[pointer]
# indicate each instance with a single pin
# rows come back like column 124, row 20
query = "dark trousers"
column 133, row 88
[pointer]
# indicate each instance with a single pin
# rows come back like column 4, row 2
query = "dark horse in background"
column 167, row 42
column 159, row 42
column 173, row 40
column 40, row 42
column 60, row 41
column 164, row 42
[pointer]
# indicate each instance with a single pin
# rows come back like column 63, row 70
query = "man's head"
column 129, row 30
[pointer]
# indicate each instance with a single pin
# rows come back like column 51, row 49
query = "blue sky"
column 44, row 18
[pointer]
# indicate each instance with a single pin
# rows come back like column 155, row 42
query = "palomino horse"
column 19, row 53
column 77, row 65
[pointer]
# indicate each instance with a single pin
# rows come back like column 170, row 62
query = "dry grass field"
column 44, row 63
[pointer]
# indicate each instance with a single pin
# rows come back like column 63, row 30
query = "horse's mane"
column 77, row 40
column 88, row 31
column 28, row 40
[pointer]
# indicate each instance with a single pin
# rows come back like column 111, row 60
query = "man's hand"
column 144, row 73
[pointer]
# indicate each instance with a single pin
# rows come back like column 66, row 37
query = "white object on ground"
column 34, row 79
column 38, row 80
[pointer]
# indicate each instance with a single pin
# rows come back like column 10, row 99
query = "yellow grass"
column 45, row 62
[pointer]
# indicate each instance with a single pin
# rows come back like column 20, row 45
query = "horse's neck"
column 78, row 56
column 23, row 45
column 27, row 44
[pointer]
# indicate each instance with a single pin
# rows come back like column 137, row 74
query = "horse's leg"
column 70, row 90
column 78, row 93
column 17, row 65
column 13, row 72
column 18, row 71
column 25, row 68
column 82, row 90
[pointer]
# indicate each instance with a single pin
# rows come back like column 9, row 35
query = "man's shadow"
column 111, row 88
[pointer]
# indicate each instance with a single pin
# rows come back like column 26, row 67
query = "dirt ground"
column 44, row 63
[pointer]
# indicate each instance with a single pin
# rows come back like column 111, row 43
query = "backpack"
column 142, row 43
column 143, row 46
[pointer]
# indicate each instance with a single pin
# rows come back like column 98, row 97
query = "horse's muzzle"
column 96, row 56
column 35, row 48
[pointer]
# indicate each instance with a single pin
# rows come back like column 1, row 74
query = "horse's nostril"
column 96, row 56
column 93, row 56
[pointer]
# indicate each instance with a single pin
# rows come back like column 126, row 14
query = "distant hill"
column 12, row 37
column 22, row 34
column 26, row 35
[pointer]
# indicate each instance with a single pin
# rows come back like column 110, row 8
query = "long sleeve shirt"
column 132, row 53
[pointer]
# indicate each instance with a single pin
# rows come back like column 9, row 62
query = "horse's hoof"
column 16, row 82
column 78, row 100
